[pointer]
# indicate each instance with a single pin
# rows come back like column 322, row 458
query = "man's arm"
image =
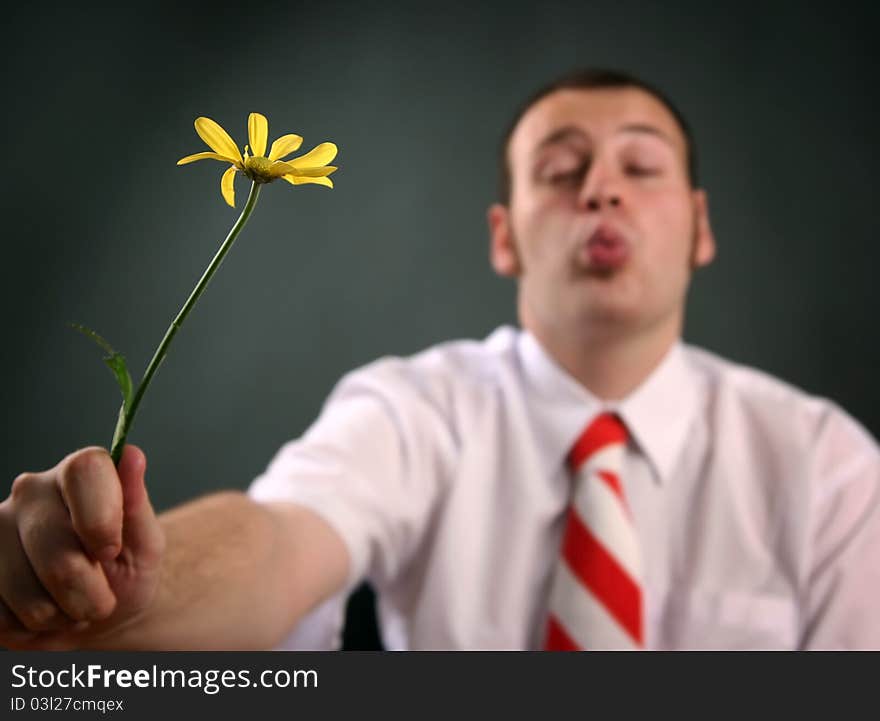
column 840, row 610
column 236, row 574
column 87, row 564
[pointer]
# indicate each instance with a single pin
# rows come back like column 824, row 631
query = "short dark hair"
column 593, row 79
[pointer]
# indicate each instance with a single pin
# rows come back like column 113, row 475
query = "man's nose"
column 600, row 190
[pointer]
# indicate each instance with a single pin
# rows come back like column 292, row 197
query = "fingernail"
column 44, row 614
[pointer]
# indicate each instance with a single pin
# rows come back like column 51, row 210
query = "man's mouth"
column 605, row 250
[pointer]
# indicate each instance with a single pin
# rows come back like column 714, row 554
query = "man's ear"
column 704, row 242
column 502, row 249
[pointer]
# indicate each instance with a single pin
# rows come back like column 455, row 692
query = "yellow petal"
column 285, row 145
column 301, row 180
column 204, row 156
column 227, row 186
column 217, row 139
column 258, row 133
column 279, row 169
column 319, row 155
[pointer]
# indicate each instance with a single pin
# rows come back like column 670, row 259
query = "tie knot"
column 605, row 430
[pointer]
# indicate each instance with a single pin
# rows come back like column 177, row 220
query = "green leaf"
column 115, row 362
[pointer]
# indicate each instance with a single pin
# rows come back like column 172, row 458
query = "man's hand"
column 80, row 551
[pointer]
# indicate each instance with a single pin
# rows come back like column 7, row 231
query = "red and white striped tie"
column 596, row 598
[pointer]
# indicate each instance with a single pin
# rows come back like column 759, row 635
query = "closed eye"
column 641, row 171
column 574, row 176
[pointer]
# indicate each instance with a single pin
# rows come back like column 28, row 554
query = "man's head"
column 599, row 218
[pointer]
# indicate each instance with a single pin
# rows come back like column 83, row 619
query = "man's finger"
column 21, row 594
column 142, row 534
column 75, row 581
column 91, row 491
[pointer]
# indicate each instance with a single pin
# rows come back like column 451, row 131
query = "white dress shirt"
column 757, row 506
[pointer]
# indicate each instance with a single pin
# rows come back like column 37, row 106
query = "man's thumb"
column 140, row 527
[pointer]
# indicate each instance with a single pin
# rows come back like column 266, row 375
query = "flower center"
column 257, row 169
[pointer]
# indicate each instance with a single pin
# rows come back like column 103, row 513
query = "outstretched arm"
column 86, row 563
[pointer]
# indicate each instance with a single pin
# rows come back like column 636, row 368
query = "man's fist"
column 80, row 551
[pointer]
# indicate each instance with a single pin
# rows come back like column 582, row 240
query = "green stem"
column 126, row 416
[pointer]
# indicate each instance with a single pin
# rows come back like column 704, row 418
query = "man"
column 587, row 482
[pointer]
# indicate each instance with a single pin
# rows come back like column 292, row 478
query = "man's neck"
column 610, row 364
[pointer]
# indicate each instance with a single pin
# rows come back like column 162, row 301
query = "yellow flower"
column 259, row 167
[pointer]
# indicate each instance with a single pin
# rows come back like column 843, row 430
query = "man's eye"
column 565, row 177
column 641, row 171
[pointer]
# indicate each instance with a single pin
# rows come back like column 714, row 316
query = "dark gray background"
column 101, row 228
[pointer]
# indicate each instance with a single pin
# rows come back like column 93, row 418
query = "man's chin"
column 608, row 314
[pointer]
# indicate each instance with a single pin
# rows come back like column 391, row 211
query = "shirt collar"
column 658, row 412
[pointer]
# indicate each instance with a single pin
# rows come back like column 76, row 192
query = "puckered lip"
column 607, row 235
column 606, row 248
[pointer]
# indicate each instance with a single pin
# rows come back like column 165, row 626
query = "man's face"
column 603, row 227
